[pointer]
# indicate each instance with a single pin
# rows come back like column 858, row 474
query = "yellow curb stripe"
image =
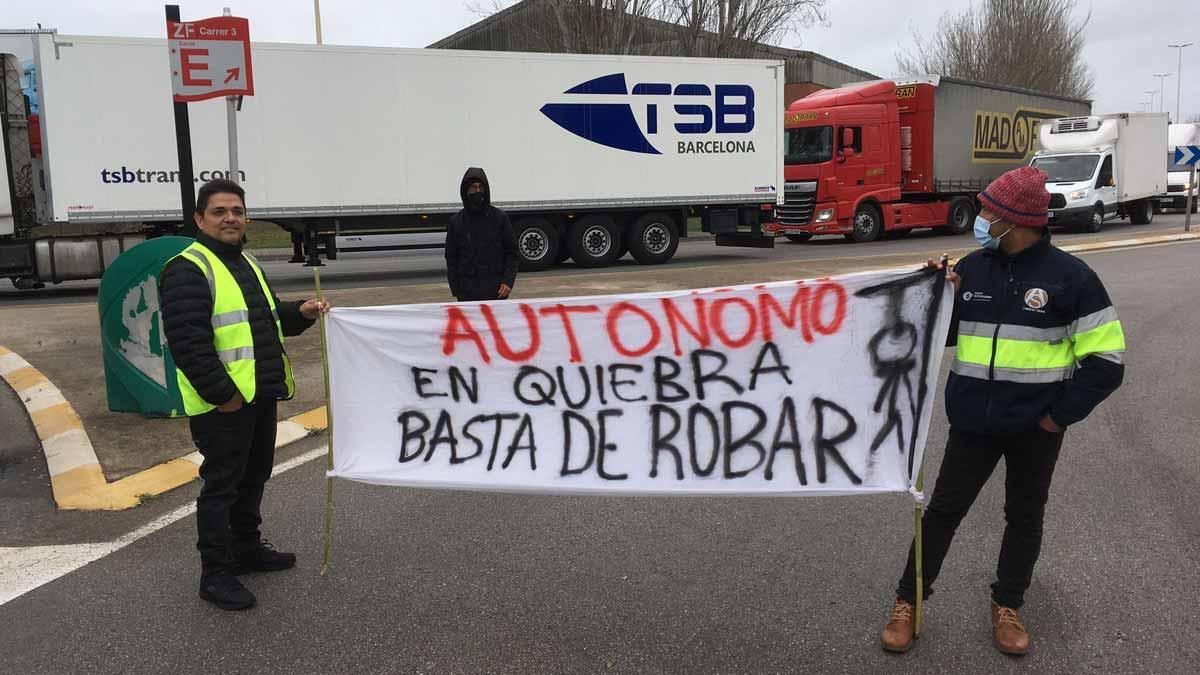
column 55, row 420
column 313, row 419
column 81, row 488
column 5, row 350
column 24, row 378
column 153, row 481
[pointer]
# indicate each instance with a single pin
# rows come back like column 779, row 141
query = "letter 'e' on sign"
column 210, row 58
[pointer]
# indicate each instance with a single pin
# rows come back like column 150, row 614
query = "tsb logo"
column 699, row 110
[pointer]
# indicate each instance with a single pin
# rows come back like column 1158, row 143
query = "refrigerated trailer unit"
column 892, row 156
column 591, row 156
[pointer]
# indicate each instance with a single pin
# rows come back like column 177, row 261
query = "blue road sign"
column 1187, row 154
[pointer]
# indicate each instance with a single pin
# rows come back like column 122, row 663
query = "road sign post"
column 209, row 58
column 1188, row 155
column 183, row 148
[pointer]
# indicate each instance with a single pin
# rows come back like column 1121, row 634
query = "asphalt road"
column 448, row 582
column 397, row 268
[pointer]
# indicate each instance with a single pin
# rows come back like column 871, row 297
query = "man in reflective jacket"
column 225, row 329
column 1039, row 347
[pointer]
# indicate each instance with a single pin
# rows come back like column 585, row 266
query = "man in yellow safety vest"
column 225, row 330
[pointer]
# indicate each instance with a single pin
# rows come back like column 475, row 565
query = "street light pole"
column 1150, row 106
column 1179, row 78
column 1161, row 79
column 317, row 15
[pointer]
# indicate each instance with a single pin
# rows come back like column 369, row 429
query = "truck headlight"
column 1077, row 195
column 824, row 215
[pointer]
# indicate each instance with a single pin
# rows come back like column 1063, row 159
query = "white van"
column 1102, row 166
column 1179, row 182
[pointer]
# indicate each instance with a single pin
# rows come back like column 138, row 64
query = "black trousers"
column 239, row 454
column 1029, row 460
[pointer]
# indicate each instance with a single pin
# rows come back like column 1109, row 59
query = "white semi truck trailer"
column 592, row 156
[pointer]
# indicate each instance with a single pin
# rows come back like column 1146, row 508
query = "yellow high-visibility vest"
column 232, row 336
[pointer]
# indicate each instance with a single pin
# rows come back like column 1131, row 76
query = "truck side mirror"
column 847, row 137
column 1112, row 182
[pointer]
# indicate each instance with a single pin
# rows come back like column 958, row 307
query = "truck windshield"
column 1067, row 168
column 808, row 145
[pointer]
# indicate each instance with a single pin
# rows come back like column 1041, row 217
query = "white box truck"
column 1100, row 166
column 1179, row 177
column 592, row 156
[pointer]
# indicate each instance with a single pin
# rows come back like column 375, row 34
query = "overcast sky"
column 1126, row 41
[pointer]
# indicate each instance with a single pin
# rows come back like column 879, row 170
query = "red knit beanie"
column 1019, row 196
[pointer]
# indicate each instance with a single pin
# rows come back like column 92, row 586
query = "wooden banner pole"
column 329, row 426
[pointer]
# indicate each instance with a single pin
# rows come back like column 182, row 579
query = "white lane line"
column 23, row 569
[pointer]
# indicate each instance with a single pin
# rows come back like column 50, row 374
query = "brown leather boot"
column 1011, row 637
column 898, row 633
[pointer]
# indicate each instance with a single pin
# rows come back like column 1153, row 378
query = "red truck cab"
column 850, row 158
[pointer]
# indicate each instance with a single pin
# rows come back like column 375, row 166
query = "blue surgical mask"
column 984, row 236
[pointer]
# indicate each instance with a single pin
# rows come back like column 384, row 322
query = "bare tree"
column 1036, row 44
column 732, row 28
column 716, row 28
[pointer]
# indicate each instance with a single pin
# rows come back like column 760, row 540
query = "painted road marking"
column 23, row 569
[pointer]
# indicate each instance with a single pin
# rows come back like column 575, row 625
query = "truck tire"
column 537, row 243
column 961, row 216
column 653, row 239
column 868, row 223
column 1141, row 213
column 593, row 241
column 1097, row 221
column 798, row 237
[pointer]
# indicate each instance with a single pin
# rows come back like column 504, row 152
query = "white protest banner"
column 820, row 386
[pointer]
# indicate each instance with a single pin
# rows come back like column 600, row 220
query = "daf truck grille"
column 799, row 201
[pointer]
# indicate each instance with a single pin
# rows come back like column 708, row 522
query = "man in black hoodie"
column 481, row 251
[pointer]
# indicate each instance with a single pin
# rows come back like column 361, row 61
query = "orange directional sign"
column 210, row 58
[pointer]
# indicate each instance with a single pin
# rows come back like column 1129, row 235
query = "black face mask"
column 475, row 200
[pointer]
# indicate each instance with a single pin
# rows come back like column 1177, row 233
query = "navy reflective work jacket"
column 1036, row 335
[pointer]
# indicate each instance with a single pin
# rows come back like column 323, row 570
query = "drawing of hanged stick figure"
column 891, row 353
column 892, row 349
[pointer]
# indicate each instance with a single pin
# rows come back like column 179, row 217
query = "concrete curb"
column 76, row 477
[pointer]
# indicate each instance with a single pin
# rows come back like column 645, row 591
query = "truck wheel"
column 537, row 243
column 1097, row 220
column 1142, row 213
column 868, row 223
column 798, row 237
column 653, row 239
column 593, row 241
column 961, row 216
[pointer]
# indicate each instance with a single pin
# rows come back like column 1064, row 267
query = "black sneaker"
column 225, row 591
column 263, row 558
